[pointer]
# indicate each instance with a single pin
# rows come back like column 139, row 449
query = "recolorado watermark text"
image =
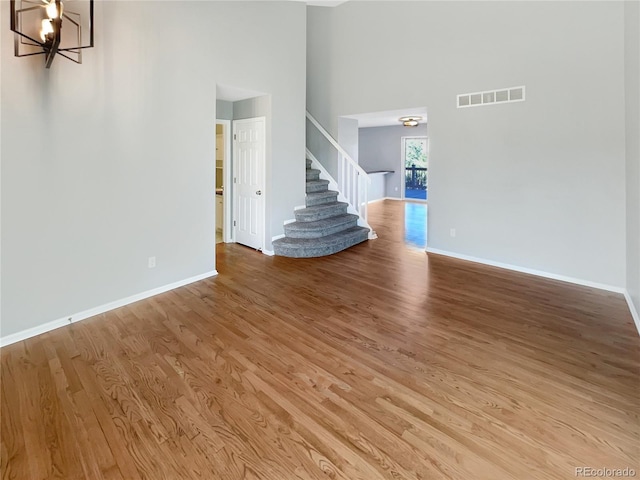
column 605, row 472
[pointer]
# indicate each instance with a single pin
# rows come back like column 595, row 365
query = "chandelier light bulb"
column 52, row 9
column 46, row 29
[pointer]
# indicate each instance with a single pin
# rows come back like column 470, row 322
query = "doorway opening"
column 223, row 167
column 396, row 173
column 240, row 218
column 415, row 159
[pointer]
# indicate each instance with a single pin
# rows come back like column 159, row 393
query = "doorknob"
column 259, row 192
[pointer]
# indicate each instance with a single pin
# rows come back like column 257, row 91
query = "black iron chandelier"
column 37, row 25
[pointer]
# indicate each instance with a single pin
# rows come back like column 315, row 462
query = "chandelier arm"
column 91, row 31
column 39, row 44
column 68, row 57
column 65, row 16
column 71, row 49
column 30, row 54
column 22, row 10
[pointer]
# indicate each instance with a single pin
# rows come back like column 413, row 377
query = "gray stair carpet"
column 322, row 228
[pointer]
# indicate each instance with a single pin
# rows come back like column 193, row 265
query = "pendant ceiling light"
column 37, row 25
column 411, row 121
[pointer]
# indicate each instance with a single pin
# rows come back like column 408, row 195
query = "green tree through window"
column 415, row 152
column 415, row 167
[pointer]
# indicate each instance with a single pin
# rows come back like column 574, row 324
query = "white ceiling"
column 234, row 94
column 387, row 118
column 315, row 3
column 323, row 3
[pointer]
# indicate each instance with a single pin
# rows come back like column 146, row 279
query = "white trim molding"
column 227, row 203
column 530, row 271
column 553, row 276
column 269, row 253
column 382, row 199
column 632, row 309
column 92, row 312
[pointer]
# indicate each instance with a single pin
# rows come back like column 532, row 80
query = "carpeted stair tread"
column 318, row 247
column 313, row 174
column 321, row 228
column 318, row 212
column 318, row 198
column 317, row 186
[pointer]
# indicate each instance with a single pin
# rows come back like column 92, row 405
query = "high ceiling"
column 365, row 120
column 315, row 3
column 388, row 118
column 323, row 3
column 230, row 93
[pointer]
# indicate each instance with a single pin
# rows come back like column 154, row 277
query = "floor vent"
column 490, row 97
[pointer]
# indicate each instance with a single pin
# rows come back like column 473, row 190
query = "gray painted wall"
column 537, row 184
column 348, row 137
column 252, row 107
column 322, row 149
column 632, row 103
column 381, row 149
column 108, row 163
column 377, row 188
column 224, row 110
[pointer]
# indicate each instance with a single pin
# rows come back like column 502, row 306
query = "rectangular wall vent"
column 502, row 95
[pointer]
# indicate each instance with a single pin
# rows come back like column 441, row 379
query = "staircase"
column 322, row 228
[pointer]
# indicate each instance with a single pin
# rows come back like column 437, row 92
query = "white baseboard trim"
column 299, row 207
column 632, row 309
column 269, row 253
column 287, row 222
column 277, row 237
column 383, row 199
column 530, row 271
column 76, row 317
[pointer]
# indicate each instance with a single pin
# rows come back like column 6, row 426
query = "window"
column 415, row 163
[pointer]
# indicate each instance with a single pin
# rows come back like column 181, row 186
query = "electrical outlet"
column 152, row 262
column 452, row 232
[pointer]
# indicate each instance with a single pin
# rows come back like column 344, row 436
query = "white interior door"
column 248, row 175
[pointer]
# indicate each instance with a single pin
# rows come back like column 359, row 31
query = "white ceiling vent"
column 502, row 95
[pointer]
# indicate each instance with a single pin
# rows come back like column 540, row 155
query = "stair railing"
column 353, row 182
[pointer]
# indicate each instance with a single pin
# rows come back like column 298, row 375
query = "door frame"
column 227, row 231
column 262, row 119
column 403, row 175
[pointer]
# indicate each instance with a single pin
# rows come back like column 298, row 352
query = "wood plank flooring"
column 380, row 362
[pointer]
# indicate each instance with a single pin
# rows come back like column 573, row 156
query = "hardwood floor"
column 377, row 362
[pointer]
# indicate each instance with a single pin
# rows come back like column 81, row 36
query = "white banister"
column 336, row 145
column 352, row 183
